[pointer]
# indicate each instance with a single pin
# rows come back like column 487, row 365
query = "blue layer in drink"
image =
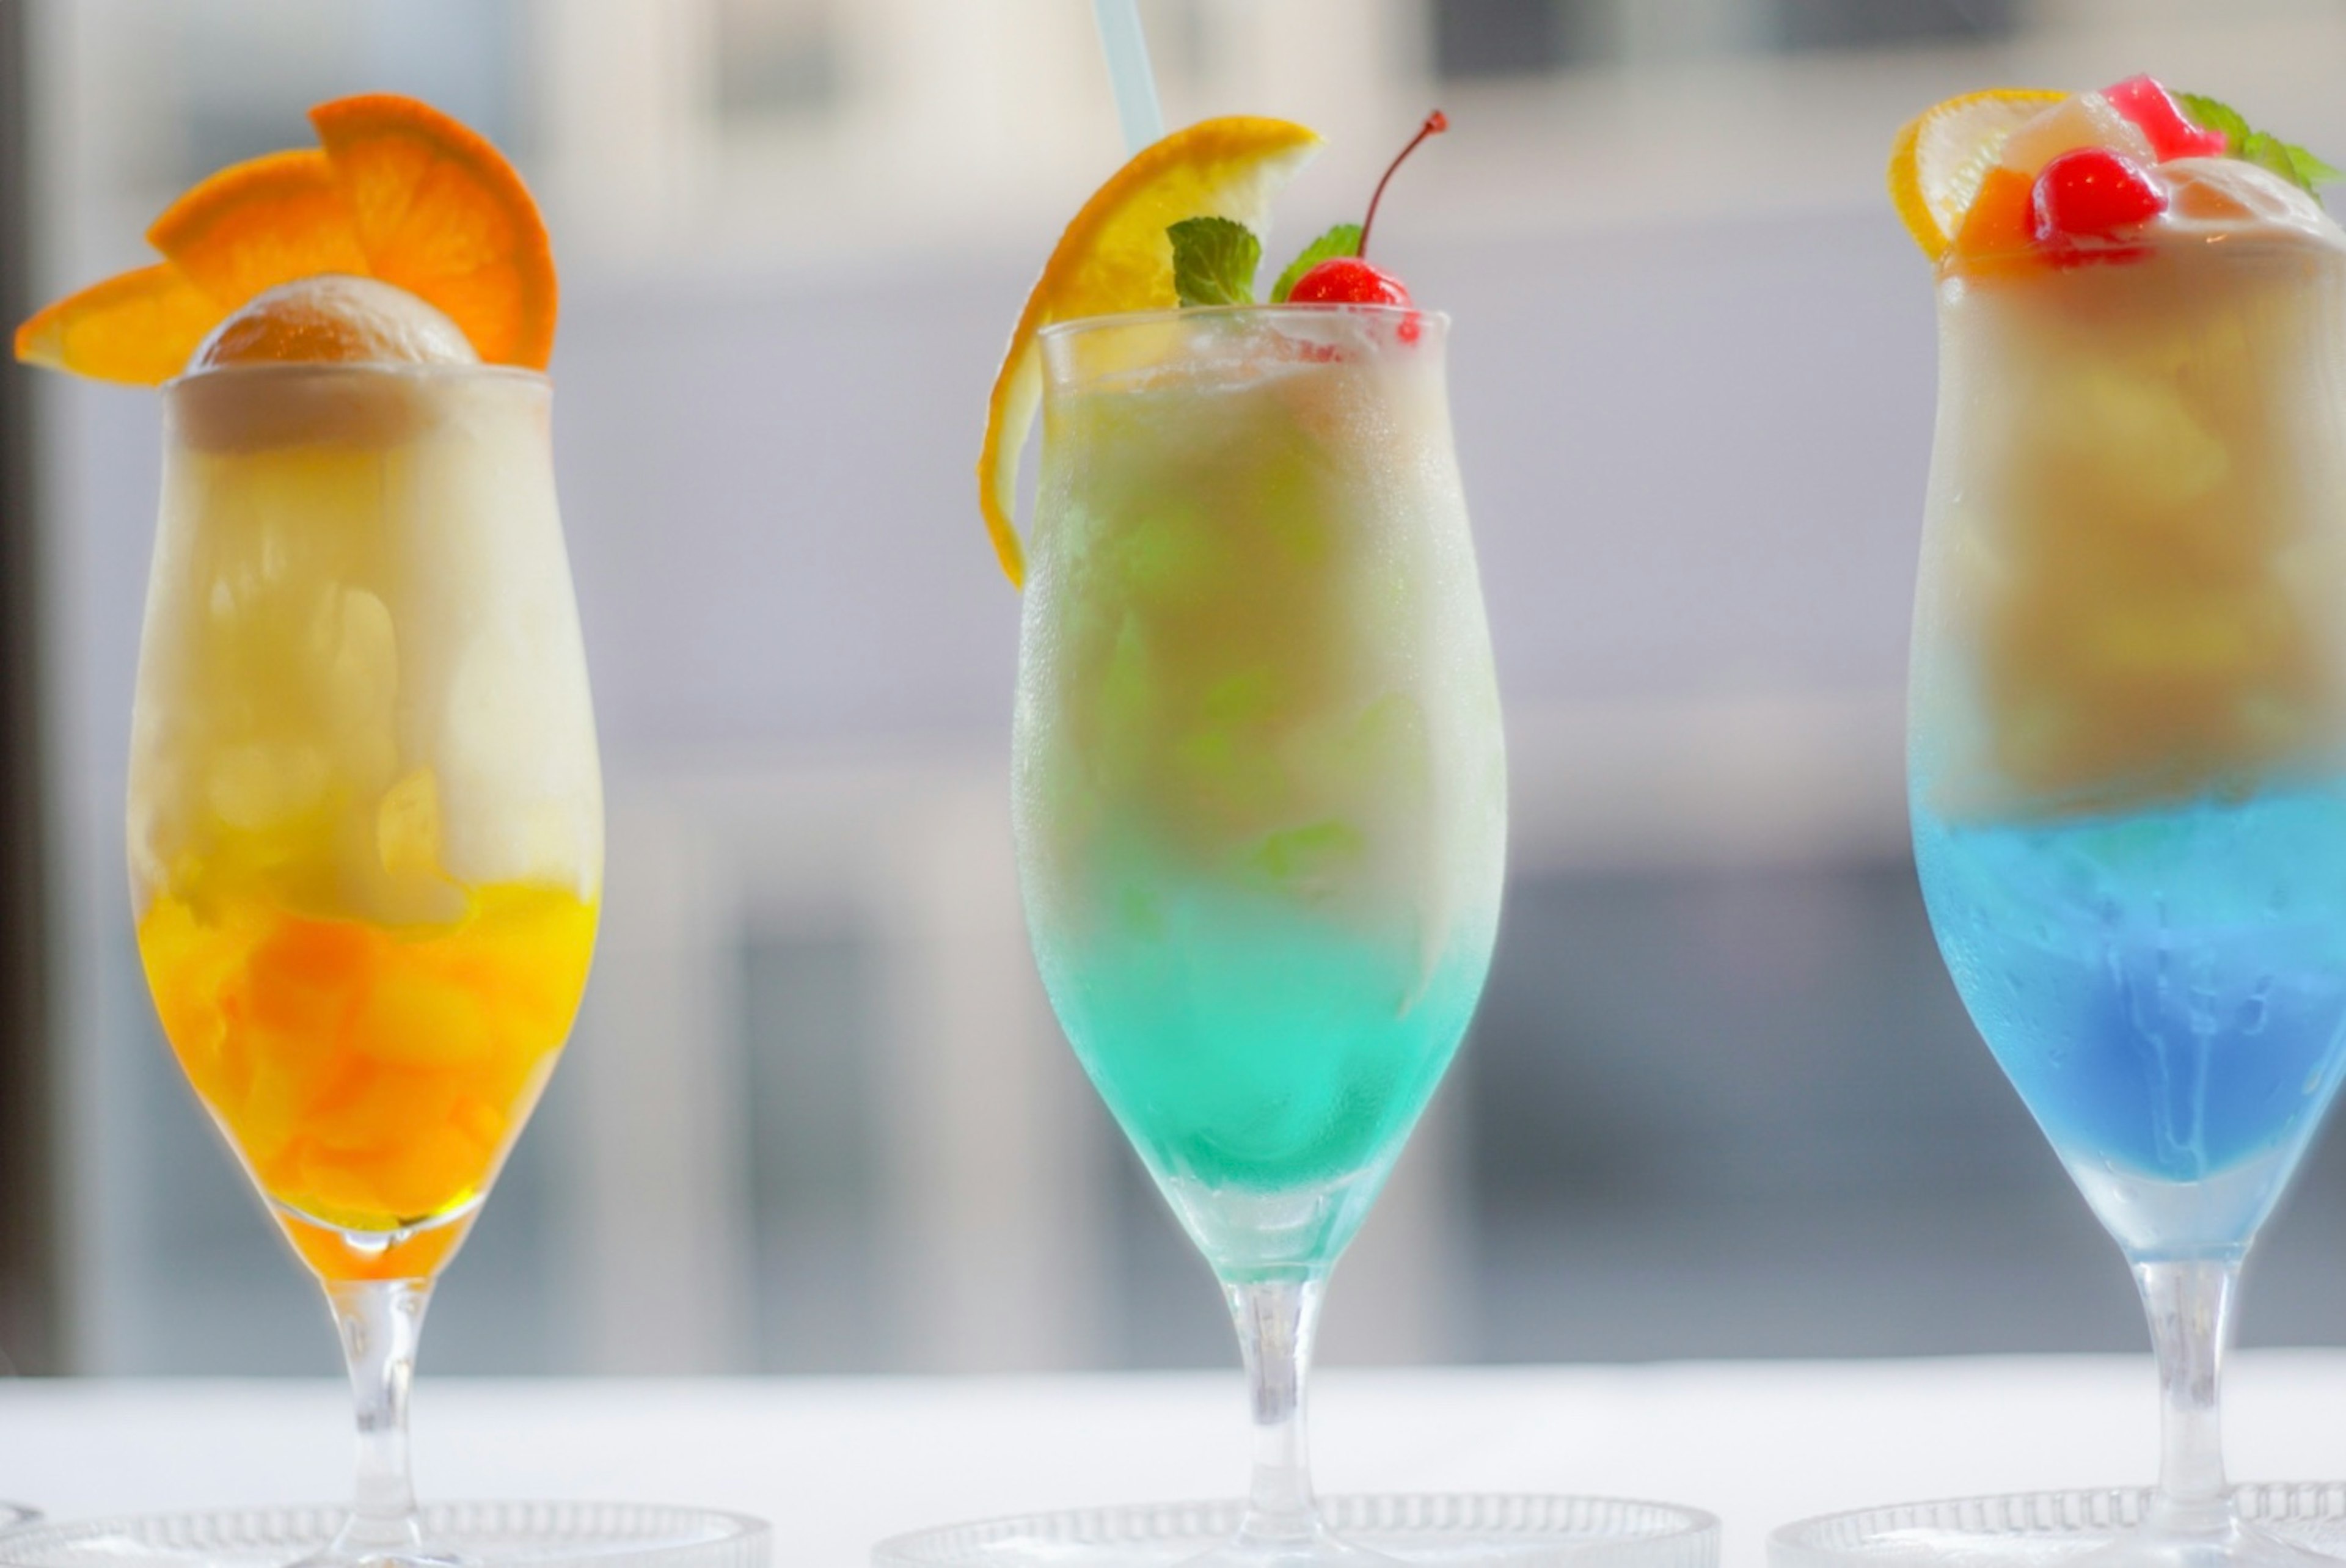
column 2166, row 989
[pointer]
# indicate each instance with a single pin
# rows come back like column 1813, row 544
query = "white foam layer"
column 2229, row 198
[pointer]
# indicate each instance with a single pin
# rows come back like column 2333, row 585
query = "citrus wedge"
column 257, row 224
column 1115, row 257
column 398, row 191
column 1942, row 154
column 138, row 327
column 439, row 212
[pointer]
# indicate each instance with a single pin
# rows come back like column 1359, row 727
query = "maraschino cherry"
column 2095, row 195
column 1353, row 279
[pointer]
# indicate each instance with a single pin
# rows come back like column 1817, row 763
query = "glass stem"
column 2190, row 1303
column 1276, row 1320
column 380, row 1321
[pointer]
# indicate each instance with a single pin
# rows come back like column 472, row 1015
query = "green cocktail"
column 1262, row 794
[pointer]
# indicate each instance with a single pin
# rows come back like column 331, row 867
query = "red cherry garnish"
column 1348, row 280
column 2159, row 117
column 2091, row 194
column 1352, row 279
column 1435, row 124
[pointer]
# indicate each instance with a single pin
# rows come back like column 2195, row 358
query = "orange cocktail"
column 365, row 811
column 365, row 825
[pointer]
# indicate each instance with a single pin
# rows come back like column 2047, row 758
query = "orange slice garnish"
column 140, row 326
column 1942, row 154
column 398, row 191
column 257, row 224
column 1115, row 257
column 441, row 214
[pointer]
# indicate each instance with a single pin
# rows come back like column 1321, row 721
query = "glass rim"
column 1074, row 325
column 404, row 370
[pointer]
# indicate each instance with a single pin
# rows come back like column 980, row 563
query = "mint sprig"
column 1214, row 260
column 2267, row 151
column 1343, row 239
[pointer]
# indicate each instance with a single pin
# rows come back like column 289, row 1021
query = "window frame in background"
column 28, row 1274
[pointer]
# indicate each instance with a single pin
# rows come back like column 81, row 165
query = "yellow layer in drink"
column 372, row 1076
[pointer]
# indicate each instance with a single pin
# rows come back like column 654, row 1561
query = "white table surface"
column 839, row 1462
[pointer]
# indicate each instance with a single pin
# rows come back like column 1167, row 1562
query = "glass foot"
column 2286, row 1525
column 2235, row 1544
column 488, row 1535
column 1425, row 1531
column 12, row 1514
column 1323, row 1548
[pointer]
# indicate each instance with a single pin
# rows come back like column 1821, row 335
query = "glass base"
column 12, row 1514
column 543, row 1535
column 2283, row 1525
column 1464, row 1529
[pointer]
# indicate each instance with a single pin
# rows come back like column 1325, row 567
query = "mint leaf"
column 1344, row 240
column 2210, row 115
column 2267, row 151
column 2310, row 170
column 1214, row 260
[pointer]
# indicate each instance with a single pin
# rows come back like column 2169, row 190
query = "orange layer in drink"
column 371, row 1077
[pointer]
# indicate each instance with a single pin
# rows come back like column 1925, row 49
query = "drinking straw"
column 1127, row 47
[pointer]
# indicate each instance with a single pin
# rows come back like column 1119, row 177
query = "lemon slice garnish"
column 1942, row 154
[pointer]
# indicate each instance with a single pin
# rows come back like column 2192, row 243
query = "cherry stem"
column 1435, row 124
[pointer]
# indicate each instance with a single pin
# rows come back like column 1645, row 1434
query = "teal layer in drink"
column 1242, row 1046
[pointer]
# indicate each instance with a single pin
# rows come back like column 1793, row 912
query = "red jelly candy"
column 2159, row 117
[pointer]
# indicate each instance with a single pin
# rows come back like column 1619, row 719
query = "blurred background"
column 1721, row 1099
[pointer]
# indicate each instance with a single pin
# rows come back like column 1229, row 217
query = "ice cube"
column 262, row 784
column 2128, row 440
column 1312, row 862
column 360, row 684
column 407, row 826
column 2081, row 119
column 515, row 750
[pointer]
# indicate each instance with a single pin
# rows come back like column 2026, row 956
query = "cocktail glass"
column 365, row 823
column 1260, row 795
column 2128, row 759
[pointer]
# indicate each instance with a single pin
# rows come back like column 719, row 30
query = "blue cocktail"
column 2128, row 736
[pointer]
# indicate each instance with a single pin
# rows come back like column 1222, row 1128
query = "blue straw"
column 1127, row 47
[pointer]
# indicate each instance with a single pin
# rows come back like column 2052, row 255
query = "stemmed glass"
column 365, row 823
column 2128, row 759
column 1260, row 791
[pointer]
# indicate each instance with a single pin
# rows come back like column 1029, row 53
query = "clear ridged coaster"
column 2032, row 1528
column 1456, row 1528
column 544, row 1534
